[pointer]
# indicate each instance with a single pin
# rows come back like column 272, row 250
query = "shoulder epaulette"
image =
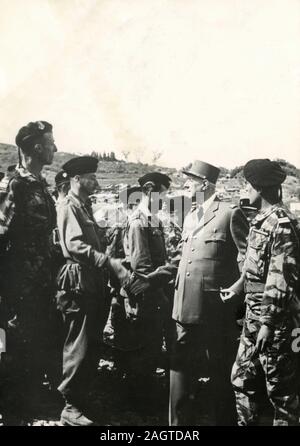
column 283, row 220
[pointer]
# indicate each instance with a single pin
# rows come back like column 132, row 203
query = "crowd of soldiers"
column 183, row 282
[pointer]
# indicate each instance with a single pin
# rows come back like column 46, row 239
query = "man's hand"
column 121, row 273
column 139, row 284
column 227, row 294
column 130, row 311
column 264, row 336
column 164, row 271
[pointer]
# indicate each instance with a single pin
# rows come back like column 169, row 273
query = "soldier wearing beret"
column 27, row 219
column 213, row 241
column 10, row 171
column 270, row 278
column 145, row 252
column 62, row 184
column 118, row 329
column 81, row 289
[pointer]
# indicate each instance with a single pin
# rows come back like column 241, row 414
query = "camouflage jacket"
column 271, row 269
column 172, row 234
column 27, row 218
column 144, row 242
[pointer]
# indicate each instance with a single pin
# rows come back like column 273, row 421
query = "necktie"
column 200, row 213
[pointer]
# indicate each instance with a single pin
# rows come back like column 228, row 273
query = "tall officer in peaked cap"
column 214, row 236
column 81, row 288
column 270, row 279
column 27, row 219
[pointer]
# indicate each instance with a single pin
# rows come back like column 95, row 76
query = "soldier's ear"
column 76, row 178
column 149, row 187
column 38, row 148
column 205, row 185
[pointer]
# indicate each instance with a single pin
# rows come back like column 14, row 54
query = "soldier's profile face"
column 193, row 186
column 253, row 194
column 49, row 148
column 88, row 182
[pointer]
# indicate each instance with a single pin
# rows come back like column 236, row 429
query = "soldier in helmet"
column 26, row 223
column 269, row 280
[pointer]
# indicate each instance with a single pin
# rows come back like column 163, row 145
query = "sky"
column 215, row 80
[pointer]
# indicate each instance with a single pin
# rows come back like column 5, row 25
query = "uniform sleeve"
column 282, row 277
column 138, row 245
column 239, row 229
column 9, row 203
column 73, row 238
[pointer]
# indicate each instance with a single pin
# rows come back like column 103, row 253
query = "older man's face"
column 193, row 187
column 88, row 182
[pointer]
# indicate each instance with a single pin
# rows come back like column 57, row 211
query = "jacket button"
column 188, row 274
column 193, row 249
column 189, row 261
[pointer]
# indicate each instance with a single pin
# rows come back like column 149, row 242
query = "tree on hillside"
column 236, row 171
column 112, row 156
column 126, row 154
column 156, row 155
column 289, row 168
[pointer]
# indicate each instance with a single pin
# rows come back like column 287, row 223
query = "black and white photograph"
column 149, row 215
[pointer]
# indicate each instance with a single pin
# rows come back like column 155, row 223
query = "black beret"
column 28, row 134
column 264, row 173
column 155, row 177
column 124, row 194
column 61, row 178
column 80, row 165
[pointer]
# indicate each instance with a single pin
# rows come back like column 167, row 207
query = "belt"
column 254, row 287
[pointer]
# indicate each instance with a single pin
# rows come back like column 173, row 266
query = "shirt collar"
column 145, row 210
column 207, row 203
column 24, row 173
column 76, row 198
column 265, row 214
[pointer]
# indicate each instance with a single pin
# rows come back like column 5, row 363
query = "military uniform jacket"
column 27, row 218
column 81, row 247
column 144, row 247
column 271, row 269
column 209, row 258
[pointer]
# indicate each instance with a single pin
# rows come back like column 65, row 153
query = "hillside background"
column 112, row 172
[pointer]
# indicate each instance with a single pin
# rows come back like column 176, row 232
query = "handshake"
column 139, row 282
column 136, row 283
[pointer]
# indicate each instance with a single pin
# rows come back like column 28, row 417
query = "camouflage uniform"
column 172, row 235
column 270, row 276
column 27, row 218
